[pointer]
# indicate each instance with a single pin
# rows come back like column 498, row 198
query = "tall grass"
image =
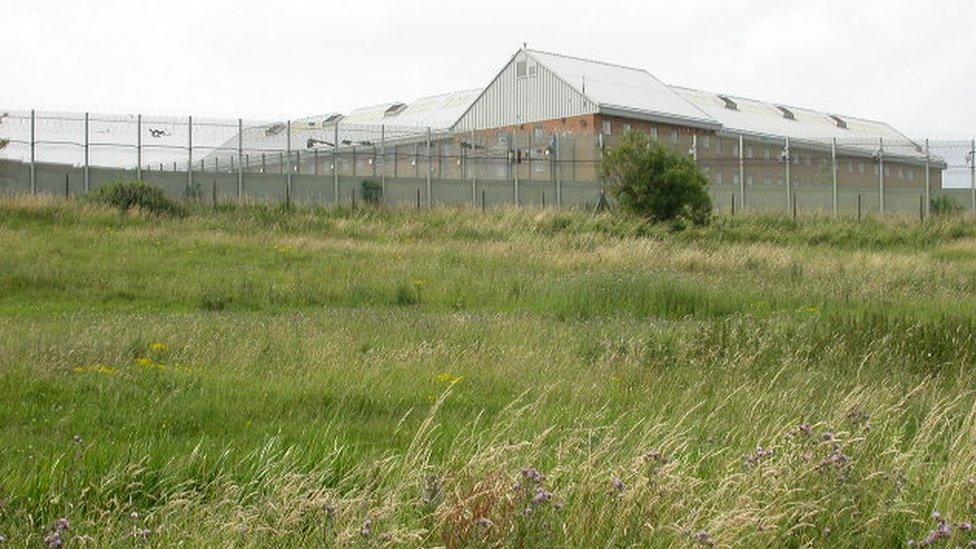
column 256, row 377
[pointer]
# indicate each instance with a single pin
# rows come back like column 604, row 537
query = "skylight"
column 394, row 109
column 332, row 118
column 729, row 104
column 841, row 123
column 787, row 113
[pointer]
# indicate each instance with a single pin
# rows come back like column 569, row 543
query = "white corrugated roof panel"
column 619, row 88
column 766, row 119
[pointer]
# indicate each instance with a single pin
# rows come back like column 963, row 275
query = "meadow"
column 254, row 376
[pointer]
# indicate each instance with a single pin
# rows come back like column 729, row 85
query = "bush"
column 656, row 183
column 372, row 192
column 943, row 205
column 128, row 195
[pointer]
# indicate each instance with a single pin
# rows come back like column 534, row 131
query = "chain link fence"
column 327, row 161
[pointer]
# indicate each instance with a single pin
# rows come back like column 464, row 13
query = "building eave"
column 652, row 116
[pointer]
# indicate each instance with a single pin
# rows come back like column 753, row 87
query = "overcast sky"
column 910, row 63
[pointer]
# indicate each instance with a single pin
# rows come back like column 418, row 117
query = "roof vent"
column 841, row 123
column 787, row 113
column 729, row 104
column 394, row 109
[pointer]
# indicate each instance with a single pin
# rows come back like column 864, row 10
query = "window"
column 901, row 173
column 749, row 152
column 521, row 69
column 749, row 180
column 626, row 128
column 533, row 69
column 607, row 127
column 768, row 180
column 674, row 136
column 860, row 167
column 911, row 174
column 653, row 133
column 735, row 179
column 729, row 103
column 706, row 141
column 850, row 166
column 539, row 134
column 767, row 154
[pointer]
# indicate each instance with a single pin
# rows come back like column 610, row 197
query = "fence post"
column 429, row 169
column 858, row 206
column 139, row 147
column 189, row 153
column 288, row 166
column 881, row 177
column 240, row 159
column 87, row 165
column 335, row 161
column 928, row 160
column 33, row 168
column 789, row 160
column 742, row 173
column 833, row 168
column 972, row 172
column 559, row 178
column 515, row 167
column 382, row 161
column 694, row 148
column 469, row 166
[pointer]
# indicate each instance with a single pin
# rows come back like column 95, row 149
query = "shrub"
column 372, row 192
column 656, row 183
column 943, row 205
column 128, row 195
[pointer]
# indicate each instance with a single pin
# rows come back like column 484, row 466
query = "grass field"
column 253, row 376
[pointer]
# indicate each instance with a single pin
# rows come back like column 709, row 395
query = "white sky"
column 911, row 63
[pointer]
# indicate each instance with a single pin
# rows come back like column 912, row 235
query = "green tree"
column 654, row 182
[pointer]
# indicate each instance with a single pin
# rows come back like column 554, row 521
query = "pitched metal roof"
column 624, row 91
column 773, row 120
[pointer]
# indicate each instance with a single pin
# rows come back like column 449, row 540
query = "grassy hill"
column 253, row 376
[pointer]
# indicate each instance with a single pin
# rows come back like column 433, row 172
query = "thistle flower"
column 965, row 526
column 704, row 538
column 367, row 529
column 541, row 497
column 53, row 541
column 77, row 439
column 532, row 474
column 618, row 485
column 759, row 456
column 484, row 522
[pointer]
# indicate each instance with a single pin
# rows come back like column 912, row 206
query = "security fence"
column 330, row 161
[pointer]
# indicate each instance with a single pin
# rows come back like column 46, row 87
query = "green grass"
column 253, row 376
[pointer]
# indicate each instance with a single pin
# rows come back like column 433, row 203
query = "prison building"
column 547, row 118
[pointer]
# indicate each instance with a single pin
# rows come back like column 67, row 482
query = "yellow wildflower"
column 159, row 347
column 450, row 379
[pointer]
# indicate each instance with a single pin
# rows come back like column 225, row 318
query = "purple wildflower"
column 53, row 541
column 704, row 538
column 532, row 474
column 542, row 496
column 484, row 522
column 965, row 526
column 759, row 456
column 618, row 485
